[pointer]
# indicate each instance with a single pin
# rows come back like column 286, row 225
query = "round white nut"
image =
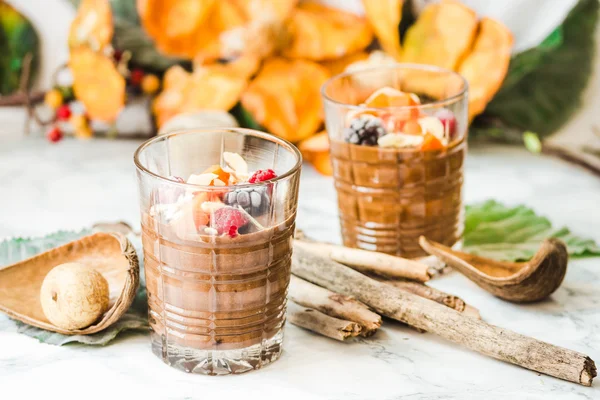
column 74, row 296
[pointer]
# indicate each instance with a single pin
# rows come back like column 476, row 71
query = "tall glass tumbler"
column 216, row 299
column 392, row 190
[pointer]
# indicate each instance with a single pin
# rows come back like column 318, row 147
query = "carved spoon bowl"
column 520, row 282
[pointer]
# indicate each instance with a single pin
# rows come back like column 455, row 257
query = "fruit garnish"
column 412, row 127
column 400, row 140
column 53, row 98
column 448, row 121
column 434, row 126
column 390, row 97
column 54, row 134
column 216, row 169
column 431, row 142
column 255, row 201
column 365, row 130
column 233, row 231
column 224, row 219
column 236, row 165
column 78, row 121
column 63, row 112
column 262, row 175
column 84, row 132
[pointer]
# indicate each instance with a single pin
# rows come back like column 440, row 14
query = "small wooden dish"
column 111, row 254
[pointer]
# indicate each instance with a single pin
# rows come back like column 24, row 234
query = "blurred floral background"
column 123, row 68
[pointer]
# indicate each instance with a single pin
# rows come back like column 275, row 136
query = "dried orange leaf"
column 486, row 66
column 92, row 26
column 442, row 35
column 211, row 87
column 315, row 150
column 97, row 84
column 285, row 97
column 189, row 28
column 339, row 65
column 384, row 17
column 320, row 33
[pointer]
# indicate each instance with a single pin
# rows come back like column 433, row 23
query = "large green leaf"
column 544, row 85
column 515, row 233
column 17, row 38
column 17, row 249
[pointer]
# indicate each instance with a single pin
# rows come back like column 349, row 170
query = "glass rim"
column 262, row 135
column 407, row 66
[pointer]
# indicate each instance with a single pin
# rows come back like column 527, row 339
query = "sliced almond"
column 434, row 126
column 202, row 179
column 236, row 162
column 400, row 140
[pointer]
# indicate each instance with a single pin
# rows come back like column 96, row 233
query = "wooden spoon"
column 521, row 282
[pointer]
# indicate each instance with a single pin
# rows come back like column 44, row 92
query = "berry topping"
column 233, row 231
column 448, row 121
column 255, row 201
column 226, row 218
column 262, row 175
column 63, row 112
column 54, row 135
column 364, row 130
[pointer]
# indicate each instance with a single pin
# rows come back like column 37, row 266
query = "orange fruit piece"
column 217, row 170
column 315, row 150
column 390, row 97
column 430, row 142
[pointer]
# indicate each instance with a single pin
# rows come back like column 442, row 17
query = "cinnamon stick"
column 333, row 304
column 369, row 262
column 320, row 323
column 448, row 323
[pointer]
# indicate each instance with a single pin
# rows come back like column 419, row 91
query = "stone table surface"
column 44, row 188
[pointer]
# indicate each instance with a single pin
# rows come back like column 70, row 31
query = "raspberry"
column 365, row 130
column 448, row 120
column 54, row 135
column 226, row 219
column 233, row 231
column 262, row 175
column 63, row 112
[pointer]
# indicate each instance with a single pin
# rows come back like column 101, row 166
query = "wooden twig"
column 320, row 323
column 369, row 261
column 24, row 90
column 335, row 305
column 448, row 323
column 428, row 292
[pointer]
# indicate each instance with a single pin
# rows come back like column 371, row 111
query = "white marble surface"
column 73, row 184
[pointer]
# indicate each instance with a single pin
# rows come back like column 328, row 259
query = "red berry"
column 117, row 55
column 448, row 120
column 63, row 112
column 262, row 175
column 54, row 135
column 136, row 77
column 228, row 220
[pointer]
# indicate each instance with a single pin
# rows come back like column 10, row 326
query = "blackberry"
column 255, row 201
column 364, row 130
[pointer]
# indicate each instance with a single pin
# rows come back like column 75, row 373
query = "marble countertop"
column 71, row 185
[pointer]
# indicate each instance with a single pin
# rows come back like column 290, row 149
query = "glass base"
column 218, row 362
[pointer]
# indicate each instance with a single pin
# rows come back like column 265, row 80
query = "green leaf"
column 515, row 233
column 245, row 119
column 17, row 249
column 17, row 38
column 544, row 85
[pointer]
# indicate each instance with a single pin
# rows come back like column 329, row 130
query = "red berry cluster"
column 228, row 220
column 262, row 175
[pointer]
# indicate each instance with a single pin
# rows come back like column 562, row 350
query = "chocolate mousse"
column 398, row 171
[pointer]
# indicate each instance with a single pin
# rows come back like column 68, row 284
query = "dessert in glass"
column 398, row 142
column 218, row 210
